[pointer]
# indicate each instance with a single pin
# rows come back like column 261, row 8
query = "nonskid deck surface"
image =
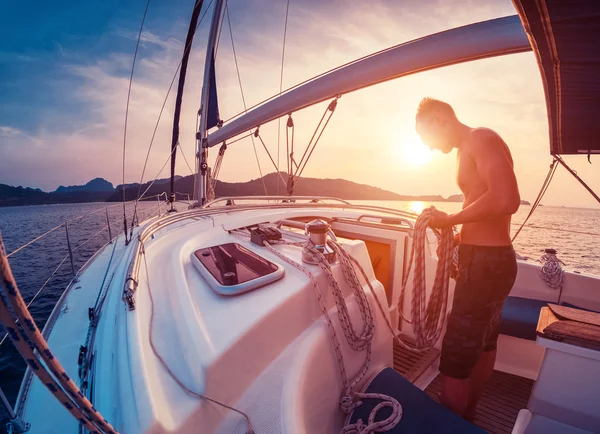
column 503, row 397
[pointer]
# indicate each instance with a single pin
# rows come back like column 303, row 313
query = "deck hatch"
column 233, row 269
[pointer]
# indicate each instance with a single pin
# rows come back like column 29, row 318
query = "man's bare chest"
column 467, row 177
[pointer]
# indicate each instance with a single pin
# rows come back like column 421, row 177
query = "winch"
column 318, row 233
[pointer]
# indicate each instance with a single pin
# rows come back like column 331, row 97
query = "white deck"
column 266, row 352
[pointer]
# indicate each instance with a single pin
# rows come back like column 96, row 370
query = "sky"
column 64, row 75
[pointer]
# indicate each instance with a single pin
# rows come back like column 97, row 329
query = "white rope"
column 551, row 272
column 210, row 185
column 427, row 318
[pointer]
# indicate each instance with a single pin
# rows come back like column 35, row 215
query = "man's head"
column 437, row 125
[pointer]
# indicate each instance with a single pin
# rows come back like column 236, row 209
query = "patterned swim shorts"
column 486, row 276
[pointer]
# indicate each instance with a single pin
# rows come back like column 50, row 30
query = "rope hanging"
column 427, row 318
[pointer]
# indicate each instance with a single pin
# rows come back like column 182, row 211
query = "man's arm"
column 496, row 171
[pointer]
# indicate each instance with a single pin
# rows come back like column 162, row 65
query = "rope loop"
column 552, row 272
column 359, row 427
column 428, row 317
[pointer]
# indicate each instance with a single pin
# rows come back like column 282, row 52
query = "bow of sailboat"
column 281, row 314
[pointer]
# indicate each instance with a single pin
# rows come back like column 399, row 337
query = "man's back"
column 483, row 150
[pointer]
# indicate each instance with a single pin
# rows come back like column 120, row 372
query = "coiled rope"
column 27, row 339
column 357, row 341
column 427, row 318
column 551, row 272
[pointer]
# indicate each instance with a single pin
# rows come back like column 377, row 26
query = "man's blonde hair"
column 430, row 105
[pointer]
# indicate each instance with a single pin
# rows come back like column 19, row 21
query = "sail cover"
column 565, row 37
column 213, row 103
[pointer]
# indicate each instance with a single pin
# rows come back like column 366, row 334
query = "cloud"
column 9, row 132
column 364, row 134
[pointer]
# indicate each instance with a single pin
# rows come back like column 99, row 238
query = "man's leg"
column 455, row 394
column 485, row 364
column 479, row 377
column 466, row 332
column 461, row 348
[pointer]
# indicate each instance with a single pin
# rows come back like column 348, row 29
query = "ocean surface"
column 574, row 232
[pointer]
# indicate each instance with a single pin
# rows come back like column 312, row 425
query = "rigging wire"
column 188, row 46
column 545, row 185
column 313, row 78
column 294, row 176
column 571, row 231
column 581, row 181
column 184, row 158
column 241, row 138
column 40, row 290
column 243, row 98
column 256, row 134
column 289, row 150
column 287, row 9
column 36, row 239
column 331, row 109
column 137, row 45
column 156, row 177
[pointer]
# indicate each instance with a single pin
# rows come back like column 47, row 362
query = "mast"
column 184, row 62
column 491, row 38
column 208, row 91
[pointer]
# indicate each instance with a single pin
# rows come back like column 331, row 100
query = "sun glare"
column 415, row 153
column 417, row 207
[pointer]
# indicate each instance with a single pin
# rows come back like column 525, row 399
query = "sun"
column 415, row 153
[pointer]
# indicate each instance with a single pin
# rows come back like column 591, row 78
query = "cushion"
column 421, row 414
column 520, row 317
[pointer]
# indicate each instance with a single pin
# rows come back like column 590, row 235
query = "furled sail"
column 213, row 103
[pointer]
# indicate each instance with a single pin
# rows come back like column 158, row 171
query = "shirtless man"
column 487, row 262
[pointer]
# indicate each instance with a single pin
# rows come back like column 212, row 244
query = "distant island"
column 101, row 190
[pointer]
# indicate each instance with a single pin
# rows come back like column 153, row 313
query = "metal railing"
column 284, row 199
column 72, row 249
column 16, row 424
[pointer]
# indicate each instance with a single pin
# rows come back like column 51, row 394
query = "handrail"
column 386, row 220
column 130, row 285
column 282, row 198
